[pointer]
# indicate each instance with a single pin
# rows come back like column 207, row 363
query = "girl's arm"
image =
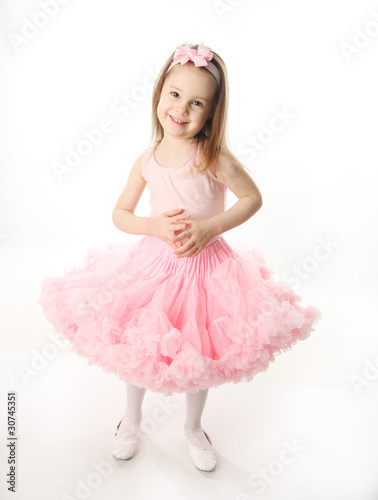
column 123, row 212
column 162, row 226
column 231, row 173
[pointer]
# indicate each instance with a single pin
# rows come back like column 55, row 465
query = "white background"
column 65, row 71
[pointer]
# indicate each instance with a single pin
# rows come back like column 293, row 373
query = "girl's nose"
column 182, row 108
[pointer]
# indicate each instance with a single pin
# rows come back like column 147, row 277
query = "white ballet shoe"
column 122, row 448
column 203, row 458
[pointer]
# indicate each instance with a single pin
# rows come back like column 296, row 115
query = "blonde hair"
column 213, row 138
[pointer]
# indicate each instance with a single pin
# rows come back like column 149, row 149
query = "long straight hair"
column 213, row 138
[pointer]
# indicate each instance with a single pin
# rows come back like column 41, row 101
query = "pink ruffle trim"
column 176, row 325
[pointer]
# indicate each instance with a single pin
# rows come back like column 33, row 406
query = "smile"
column 179, row 122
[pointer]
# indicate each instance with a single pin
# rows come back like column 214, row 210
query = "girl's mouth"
column 178, row 122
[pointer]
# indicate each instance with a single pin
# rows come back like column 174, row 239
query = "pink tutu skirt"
column 173, row 324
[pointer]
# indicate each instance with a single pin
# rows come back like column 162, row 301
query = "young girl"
column 180, row 311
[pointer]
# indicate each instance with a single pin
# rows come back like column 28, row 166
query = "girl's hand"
column 199, row 233
column 165, row 225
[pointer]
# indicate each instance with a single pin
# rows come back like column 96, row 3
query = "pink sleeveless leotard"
column 201, row 195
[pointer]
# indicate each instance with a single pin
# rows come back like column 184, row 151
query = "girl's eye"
column 175, row 94
column 197, row 103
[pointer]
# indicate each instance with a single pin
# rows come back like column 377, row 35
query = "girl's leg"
column 195, row 403
column 133, row 412
column 135, row 396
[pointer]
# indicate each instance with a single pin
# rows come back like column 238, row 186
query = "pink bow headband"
column 200, row 57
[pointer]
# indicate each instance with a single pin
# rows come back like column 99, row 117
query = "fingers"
column 190, row 252
column 180, row 217
column 189, row 249
column 172, row 245
column 175, row 246
column 174, row 211
column 181, row 236
column 176, row 226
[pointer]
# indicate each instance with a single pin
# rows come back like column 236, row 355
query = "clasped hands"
column 199, row 232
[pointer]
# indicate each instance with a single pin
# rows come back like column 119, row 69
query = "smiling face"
column 186, row 101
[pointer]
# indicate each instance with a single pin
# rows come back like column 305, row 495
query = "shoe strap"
column 131, row 420
column 199, row 429
column 127, row 419
column 207, row 437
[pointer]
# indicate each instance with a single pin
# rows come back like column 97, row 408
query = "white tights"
column 195, row 403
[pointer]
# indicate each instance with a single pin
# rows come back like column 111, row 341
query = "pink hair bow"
column 200, row 57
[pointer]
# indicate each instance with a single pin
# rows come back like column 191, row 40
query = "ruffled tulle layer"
column 176, row 324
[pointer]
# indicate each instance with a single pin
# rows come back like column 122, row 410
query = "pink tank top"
column 200, row 195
